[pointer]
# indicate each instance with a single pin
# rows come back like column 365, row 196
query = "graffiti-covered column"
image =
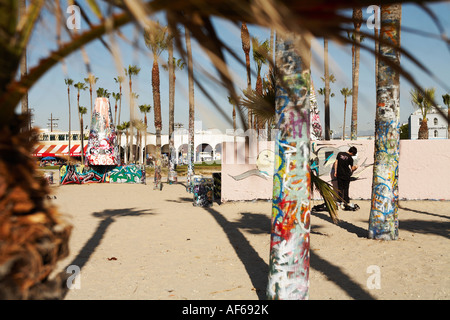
column 383, row 221
column 289, row 247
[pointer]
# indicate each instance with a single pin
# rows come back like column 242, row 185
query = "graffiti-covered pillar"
column 102, row 148
column 289, row 246
column 383, row 221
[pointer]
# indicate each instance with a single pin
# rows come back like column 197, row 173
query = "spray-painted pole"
column 383, row 221
column 289, row 247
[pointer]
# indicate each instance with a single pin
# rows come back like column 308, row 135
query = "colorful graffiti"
column 315, row 126
column 289, row 247
column 203, row 190
column 383, row 221
column 264, row 167
column 80, row 174
column 127, row 174
column 102, row 148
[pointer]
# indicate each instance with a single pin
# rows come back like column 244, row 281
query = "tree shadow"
column 108, row 217
column 336, row 275
column 424, row 212
column 256, row 267
column 350, row 227
column 439, row 228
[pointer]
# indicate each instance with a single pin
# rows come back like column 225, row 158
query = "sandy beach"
column 132, row 242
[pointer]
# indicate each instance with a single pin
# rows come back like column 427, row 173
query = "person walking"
column 343, row 170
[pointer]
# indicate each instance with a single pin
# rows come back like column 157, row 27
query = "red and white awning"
column 55, row 150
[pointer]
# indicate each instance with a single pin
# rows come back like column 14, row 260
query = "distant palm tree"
column 172, row 65
column 117, row 96
column 120, row 130
column 357, row 21
column 82, row 111
column 91, row 81
column 245, row 37
column 145, row 108
column 424, row 104
column 126, row 127
column 326, row 92
column 119, row 80
column 156, row 39
column 191, row 171
column 345, row 92
column 80, row 86
column 69, row 83
column 260, row 55
column 132, row 70
column 103, row 93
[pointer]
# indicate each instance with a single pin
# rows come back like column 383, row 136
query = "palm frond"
column 328, row 195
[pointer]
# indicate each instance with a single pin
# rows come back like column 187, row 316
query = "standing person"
column 343, row 170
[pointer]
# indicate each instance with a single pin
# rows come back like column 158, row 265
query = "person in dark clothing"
column 343, row 170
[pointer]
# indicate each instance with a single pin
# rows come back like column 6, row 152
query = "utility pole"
column 51, row 124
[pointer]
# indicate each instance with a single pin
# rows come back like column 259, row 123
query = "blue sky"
column 49, row 95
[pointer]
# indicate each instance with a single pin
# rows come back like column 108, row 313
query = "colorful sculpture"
column 102, row 146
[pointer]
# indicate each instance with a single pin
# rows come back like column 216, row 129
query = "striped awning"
column 55, row 150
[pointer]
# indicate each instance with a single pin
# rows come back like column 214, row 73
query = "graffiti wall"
column 102, row 148
column 80, row 174
column 423, row 170
column 127, row 174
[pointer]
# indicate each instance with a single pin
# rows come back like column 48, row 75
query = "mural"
column 315, row 126
column 264, row 167
column 102, row 148
column 80, row 174
column 127, row 174
column 203, row 190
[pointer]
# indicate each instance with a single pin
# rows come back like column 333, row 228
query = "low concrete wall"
column 424, row 169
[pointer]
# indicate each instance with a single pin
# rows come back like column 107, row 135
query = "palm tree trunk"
column 289, row 247
column 190, row 172
column 357, row 14
column 345, row 112
column 70, row 120
column 131, row 156
column 120, row 102
column 171, row 178
column 246, row 47
column 23, row 65
column 82, row 139
column 383, row 221
column 158, row 122
column 327, row 90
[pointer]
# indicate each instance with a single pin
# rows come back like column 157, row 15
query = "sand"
column 133, row 242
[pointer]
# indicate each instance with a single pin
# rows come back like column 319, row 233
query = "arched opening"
column 218, row 152
column 182, row 154
column 204, row 153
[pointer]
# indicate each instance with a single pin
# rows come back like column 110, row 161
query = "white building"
column 437, row 124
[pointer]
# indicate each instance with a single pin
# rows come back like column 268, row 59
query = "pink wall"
column 424, row 169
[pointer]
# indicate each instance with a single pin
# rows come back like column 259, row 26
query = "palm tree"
column 120, row 129
column 260, row 54
column 119, row 80
column 117, row 96
column 446, row 100
column 23, row 62
column 289, row 248
column 383, row 221
column 126, row 126
column 345, row 92
column 69, row 83
column 245, row 38
column 80, row 86
column 357, row 20
column 424, row 103
column 103, row 93
column 145, row 108
column 82, row 111
column 156, row 39
column 191, row 171
column 132, row 70
column 326, row 91
column 91, row 81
